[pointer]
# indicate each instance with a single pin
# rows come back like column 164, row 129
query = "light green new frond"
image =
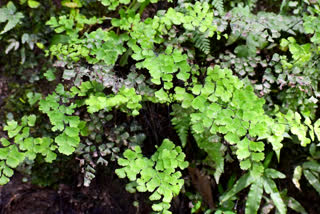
column 297, row 127
column 223, row 105
column 127, row 100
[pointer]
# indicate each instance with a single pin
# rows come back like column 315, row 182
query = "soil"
column 24, row 198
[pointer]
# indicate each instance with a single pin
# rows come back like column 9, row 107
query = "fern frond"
column 218, row 5
column 201, row 41
column 181, row 122
column 215, row 153
column 254, row 196
column 252, row 4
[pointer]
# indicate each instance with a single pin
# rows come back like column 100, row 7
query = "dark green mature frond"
column 181, row 122
column 201, row 41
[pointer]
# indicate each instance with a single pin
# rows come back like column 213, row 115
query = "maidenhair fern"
column 222, row 106
column 106, row 64
column 62, row 120
column 157, row 175
column 22, row 145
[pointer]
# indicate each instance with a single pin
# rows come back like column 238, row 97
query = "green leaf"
column 272, row 173
column 215, row 153
column 312, row 165
column 14, row 157
column 4, row 142
column 257, row 170
column 50, row 76
column 33, row 98
column 32, row 120
column 232, row 138
column 271, row 188
column 33, row 4
column 254, row 197
column 4, row 153
column 243, row 182
column 72, row 131
column 158, row 174
column 243, row 149
column 121, row 173
column 257, row 156
column 7, row 171
column 60, row 89
column 66, row 143
column 12, row 22
column 256, row 146
column 312, row 179
column 297, row 176
column 51, row 156
column 245, row 164
column 296, row 206
column 155, row 196
column 4, row 180
column 162, row 96
column 157, row 207
column 130, row 155
column 199, row 103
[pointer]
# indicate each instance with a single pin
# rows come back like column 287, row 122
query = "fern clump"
column 62, row 120
column 157, row 175
column 263, row 183
column 21, row 145
column 117, row 73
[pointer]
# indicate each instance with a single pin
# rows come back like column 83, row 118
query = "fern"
column 127, row 99
column 258, row 185
column 22, row 145
column 215, row 151
column 252, row 4
column 8, row 14
column 181, row 122
column 209, row 104
column 310, row 169
column 217, row 106
column 201, row 41
column 103, row 147
column 62, row 120
column 218, row 5
column 157, row 175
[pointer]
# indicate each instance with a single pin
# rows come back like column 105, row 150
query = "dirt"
column 109, row 196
